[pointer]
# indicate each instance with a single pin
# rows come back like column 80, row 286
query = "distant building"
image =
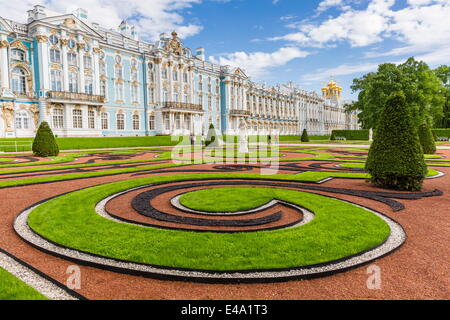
column 86, row 80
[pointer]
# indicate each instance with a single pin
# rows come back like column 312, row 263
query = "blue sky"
column 276, row 41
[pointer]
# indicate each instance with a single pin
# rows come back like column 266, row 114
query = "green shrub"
column 361, row 134
column 333, row 136
column 211, row 138
column 426, row 139
column 441, row 133
column 304, row 137
column 44, row 144
column 395, row 157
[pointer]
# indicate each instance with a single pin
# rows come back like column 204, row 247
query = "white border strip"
column 32, row 279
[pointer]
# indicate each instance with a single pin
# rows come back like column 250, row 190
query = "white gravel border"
column 31, row 278
column 394, row 240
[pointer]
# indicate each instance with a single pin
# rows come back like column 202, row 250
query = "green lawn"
column 338, row 230
column 229, row 199
column 12, row 288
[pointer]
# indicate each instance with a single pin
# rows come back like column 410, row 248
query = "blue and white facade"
column 85, row 80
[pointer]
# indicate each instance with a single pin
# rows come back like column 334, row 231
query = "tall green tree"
column 443, row 73
column 422, row 88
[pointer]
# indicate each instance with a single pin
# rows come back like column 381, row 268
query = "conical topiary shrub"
column 426, row 139
column 44, row 144
column 395, row 157
column 333, row 136
column 304, row 137
column 212, row 139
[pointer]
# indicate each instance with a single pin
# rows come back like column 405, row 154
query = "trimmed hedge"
column 426, row 139
column 395, row 158
column 44, row 144
column 362, row 134
column 441, row 133
column 305, row 137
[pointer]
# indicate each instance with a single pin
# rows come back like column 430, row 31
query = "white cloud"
column 341, row 70
column 358, row 27
column 420, row 27
column 257, row 64
column 151, row 17
column 324, row 5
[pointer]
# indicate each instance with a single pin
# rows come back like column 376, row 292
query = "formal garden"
column 238, row 217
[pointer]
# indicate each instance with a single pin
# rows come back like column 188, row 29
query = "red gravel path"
column 418, row 270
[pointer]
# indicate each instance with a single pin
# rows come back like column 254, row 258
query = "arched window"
column 102, row 67
column 120, row 121
column 151, row 122
column 22, row 120
column 58, row 118
column 72, row 59
column 151, row 77
column 91, row 119
column 77, row 119
column 134, row 94
column 87, row 60
column 175, row 96
column 105, row 124
column 18, row 54
column 55, row 80
column 55, row 56
column 19, row 80
column 88, row 84
column 164, row 73
column 119, row 91
column 175, row 75
column 118, row 71
column 165, row 95
column 136, row 123
column 134, row 75
column 73, row 82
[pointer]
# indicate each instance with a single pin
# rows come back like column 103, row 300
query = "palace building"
column 86, row 80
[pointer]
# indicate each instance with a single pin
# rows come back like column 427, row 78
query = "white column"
column 4, row 70
column 43, row 62
column 96, row 74
column 81, row 75
column 65, row 66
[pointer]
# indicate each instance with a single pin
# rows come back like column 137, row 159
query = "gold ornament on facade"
column 64, row 42
column 73, row 69
column 120, row 81
column 169, row 64
column 135, row 83
column 70, row 23
column 42, row 39
column 55, row 66
column 18, row 44
column 81, row 46
column 88, row 72
column 4, row 44
column 103, row 77
column 97, row 50
column 174, row 45
column 157, row 60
